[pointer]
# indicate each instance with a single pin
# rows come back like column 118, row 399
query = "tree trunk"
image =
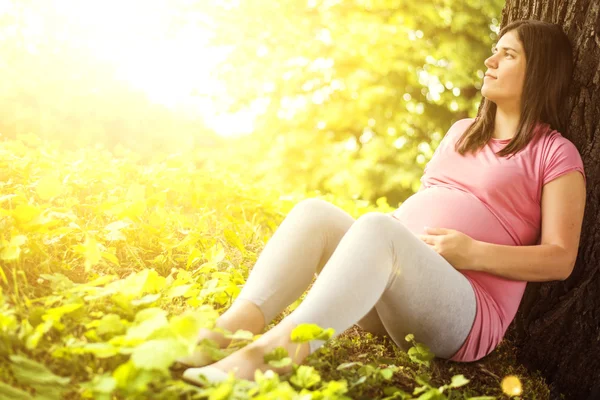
column 557, row 328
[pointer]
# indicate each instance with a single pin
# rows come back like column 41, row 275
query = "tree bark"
column 557, row 327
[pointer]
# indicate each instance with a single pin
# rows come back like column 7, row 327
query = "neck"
column 506, row 122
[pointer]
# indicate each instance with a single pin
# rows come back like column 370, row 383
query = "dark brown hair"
column 548, row 70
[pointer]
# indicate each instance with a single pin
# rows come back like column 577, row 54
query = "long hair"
column 548, row 70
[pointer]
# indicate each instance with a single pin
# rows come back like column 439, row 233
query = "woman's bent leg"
column 380, row 263
column 298, row 249
column 432, row 300
column 371, row 322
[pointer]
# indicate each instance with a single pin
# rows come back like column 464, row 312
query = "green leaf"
column 221, row 392
column 396, row 393
column 110, row 257
column 8, row 322
column 284, row 362
column 9, row 392
column 335, row 389
column 103, row 280
column 360, row 380
column 149, row 314
column 57, row 313
column 59, row 281
column 140, row 283
column 458, row 381
column 386, row 373
column 268, row 381
column 18, row 240
column 277, row 358
column 100, row 350
column 34, row 338
column 25, row 212
column 158, row 354
column 432, row 394
column 348, row 365
column 105, row 384
column 117, row 225
column 277, row 354
column 306, row 332
column 13, row 249
column 194, row 256
column 115, row 235
column 186, row 326
column 179, row 290
column 109, row 324
column 233, row 239
column 421, row 354
column 90, row 250
column 421, row 389
column 147, row 299
column 131, row 379
column 101, row 386
column 29, row 372
column 147, row 322
column 240, row 334
column 305, row 377
column 48, row 386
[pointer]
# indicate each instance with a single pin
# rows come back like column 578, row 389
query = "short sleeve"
column 562, row 158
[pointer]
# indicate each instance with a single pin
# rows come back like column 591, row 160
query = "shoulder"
column 552, row 142
column 462, row 124
column 555, row 138
column 558, row 155
column 459, row 127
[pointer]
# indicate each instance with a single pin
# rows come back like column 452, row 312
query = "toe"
column 204, row 375
column 196, row 359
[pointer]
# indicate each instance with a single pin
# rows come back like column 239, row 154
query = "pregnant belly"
column 444, row 207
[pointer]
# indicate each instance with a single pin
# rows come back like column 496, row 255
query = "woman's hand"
column 454, row 246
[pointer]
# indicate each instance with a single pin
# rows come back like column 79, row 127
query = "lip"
column 489, row 76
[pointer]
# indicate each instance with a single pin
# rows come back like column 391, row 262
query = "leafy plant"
column 105, row 282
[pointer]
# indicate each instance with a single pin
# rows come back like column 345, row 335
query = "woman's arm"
column 563, row 204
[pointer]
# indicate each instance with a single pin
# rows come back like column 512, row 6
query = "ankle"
column 244, row 315
column 215, row 335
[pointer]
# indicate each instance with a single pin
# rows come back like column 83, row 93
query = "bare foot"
column 247, row 360
column 241, row 315
column 201, row 357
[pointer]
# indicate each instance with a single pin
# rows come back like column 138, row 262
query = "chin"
column 489, row 96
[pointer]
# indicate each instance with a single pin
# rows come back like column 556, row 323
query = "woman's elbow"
column 568, row 267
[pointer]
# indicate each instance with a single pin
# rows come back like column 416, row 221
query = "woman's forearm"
column 538, row 263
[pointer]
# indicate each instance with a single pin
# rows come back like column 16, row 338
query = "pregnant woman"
column 501, row 203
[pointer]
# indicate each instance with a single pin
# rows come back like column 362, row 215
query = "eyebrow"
column 505, row 48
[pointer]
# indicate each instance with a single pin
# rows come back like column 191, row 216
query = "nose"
column 491, row 61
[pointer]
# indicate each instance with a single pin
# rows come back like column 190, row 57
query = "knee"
column 313, row 203
column 374, row 220
column 381, row 223
column 311, row 212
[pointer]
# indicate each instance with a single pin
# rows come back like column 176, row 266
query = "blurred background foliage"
column 343, row 97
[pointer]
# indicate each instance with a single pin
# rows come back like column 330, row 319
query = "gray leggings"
column 372, row 272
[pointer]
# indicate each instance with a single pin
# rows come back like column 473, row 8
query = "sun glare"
column 173, row 65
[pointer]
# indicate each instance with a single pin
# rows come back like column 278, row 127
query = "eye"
column 509, row 55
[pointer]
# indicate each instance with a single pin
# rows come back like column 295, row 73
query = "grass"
column 110, row 265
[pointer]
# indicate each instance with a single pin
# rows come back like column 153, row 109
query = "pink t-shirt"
column 492, row 199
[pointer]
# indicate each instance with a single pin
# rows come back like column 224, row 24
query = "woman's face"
column 505, row 75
